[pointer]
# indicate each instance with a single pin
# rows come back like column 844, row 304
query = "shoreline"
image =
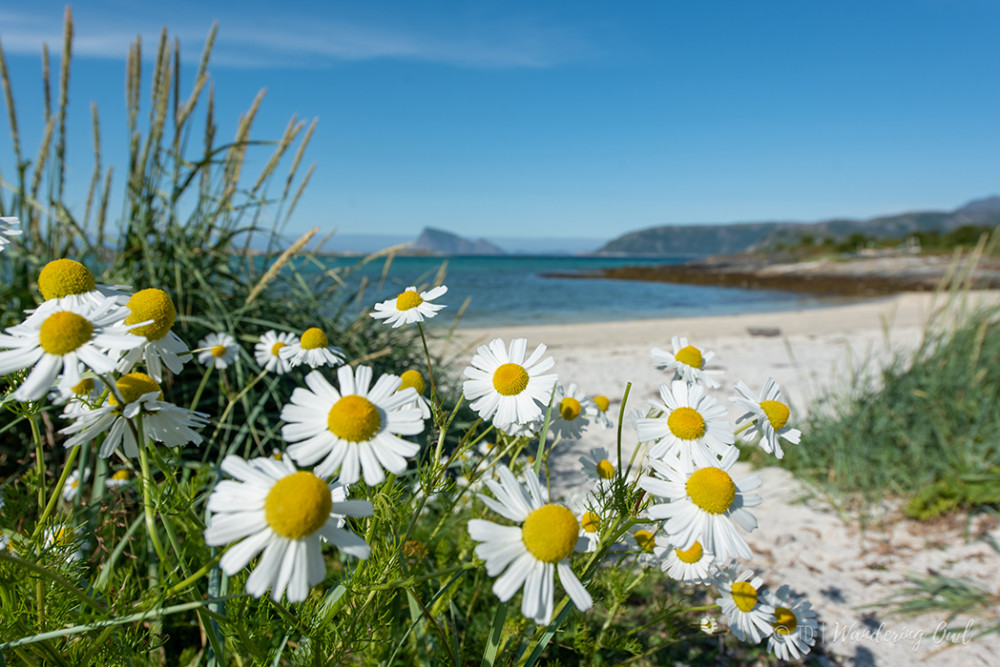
column 857, row 276
column 809, row 352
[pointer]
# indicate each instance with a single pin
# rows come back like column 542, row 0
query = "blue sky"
column 569, row 119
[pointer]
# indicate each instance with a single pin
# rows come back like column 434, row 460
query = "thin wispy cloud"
column 305, row 42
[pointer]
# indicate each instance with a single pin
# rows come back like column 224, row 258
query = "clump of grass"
column 924, row 427
column 936, row 593
column 190, row 214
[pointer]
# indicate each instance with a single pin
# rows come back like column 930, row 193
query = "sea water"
column 514, row 290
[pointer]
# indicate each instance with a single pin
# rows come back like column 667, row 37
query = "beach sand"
column 801, row 540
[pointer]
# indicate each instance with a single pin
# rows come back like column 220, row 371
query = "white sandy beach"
column 805, row 544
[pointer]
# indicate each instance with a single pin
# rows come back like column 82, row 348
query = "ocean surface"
column 511, row 291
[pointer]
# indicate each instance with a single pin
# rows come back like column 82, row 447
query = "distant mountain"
column 440, row 242
column 741, row 237
column 671, row 240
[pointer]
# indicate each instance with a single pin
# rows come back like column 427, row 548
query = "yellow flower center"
column 691, row 356
column 590, row 522
column 313, row 339
column 784, row 621
column 744, row 595
column 645, row 540
column 354, row 418
column 121, row 475
column 276, row 347
column 711, row 489
column 510, row 379
column 298, row 505
column 63, row 277
column 569, row 408
column 133, row 386
column 408, row 300
column 602, row 403
column 155, row 305
column 412, row 378
column 63, row 331
column 692, row 555
column 550, row 533
column 777, row 413
column 605, row 470
column 83, row 387
column 63, row 537
column 218, row 351
column 686, row 424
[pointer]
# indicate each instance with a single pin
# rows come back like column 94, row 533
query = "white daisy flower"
column 413, row 378
column 529, row 554
column 749, row 617
column 529, row 429
column 642, row 542
column 84, row 396
column 268, row 351
column 65, row 283
column 795, row 625
column 703, row 504
column 7, row 230
column 768, row 417
column 590, row 530
column 161, row 421
column 687, row 361
column 354, row 430
column 690, row 566
column 708, row 625
column 597, row 408
column 505, row 387
column 69, row 541
column 64, row 339
column 692, row 425
column 4, row 541
column 118, row 479
column 597, row 465
column 218, row 350
column 409, row 306
column 570, row 412
column 159, row 345
column 314, row 349
column 283, row 512
column 72, row 486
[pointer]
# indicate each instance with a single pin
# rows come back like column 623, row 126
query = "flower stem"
column 57, row 491
column 621, row 418
column 430, row 372
column 147, row 502
column 232, row 403
column 39, row 458
column 201, row 386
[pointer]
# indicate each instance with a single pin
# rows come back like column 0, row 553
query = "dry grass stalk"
column 298, row 193
column 67, row 53
column 298, row 158
column 96, row 178
column 288, row 136
column 279, row 264
column 11, row 113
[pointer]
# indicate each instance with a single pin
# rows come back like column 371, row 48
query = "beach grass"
column 923, row 427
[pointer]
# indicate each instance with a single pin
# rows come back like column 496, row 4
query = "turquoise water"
column 510, row 291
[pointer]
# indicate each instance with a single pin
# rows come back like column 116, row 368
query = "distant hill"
column 440, row 242
column 741, row 237
column 672, row 240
